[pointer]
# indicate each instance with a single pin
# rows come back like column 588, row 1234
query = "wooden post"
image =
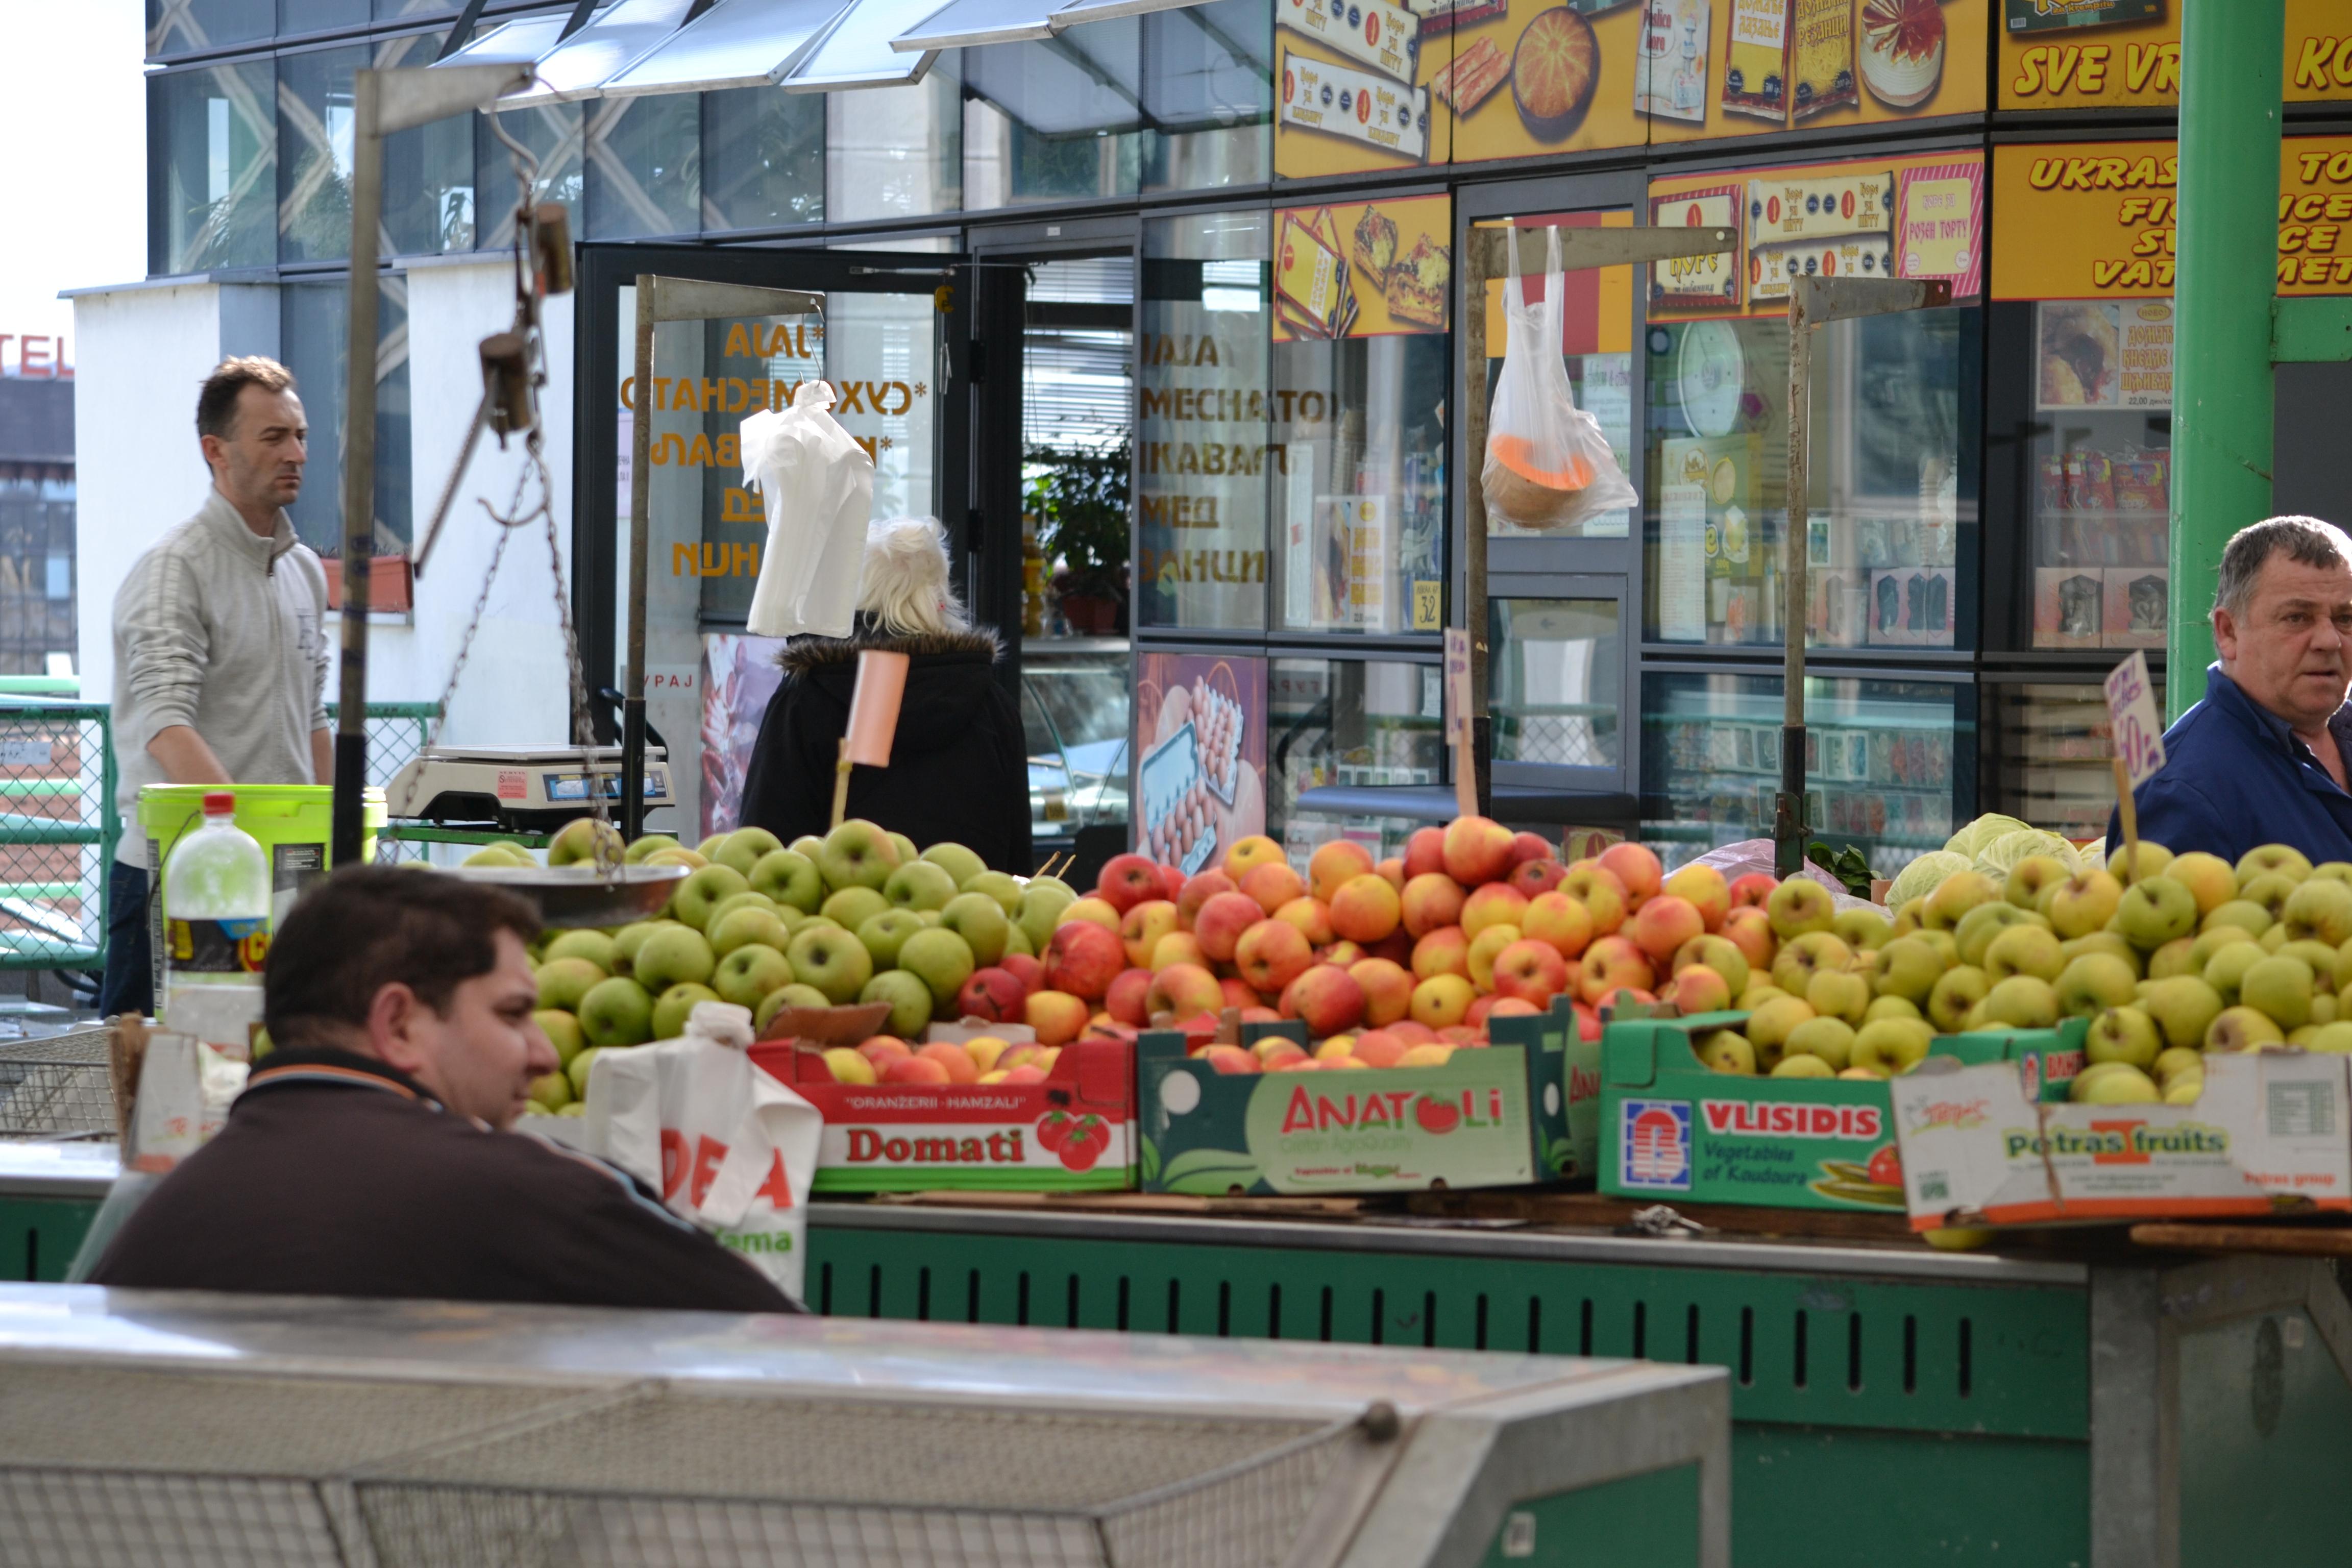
column 841, row 784
column 2127, row 809
column 1476, row 797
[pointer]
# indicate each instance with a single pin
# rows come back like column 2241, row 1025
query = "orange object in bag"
column 1547, row 466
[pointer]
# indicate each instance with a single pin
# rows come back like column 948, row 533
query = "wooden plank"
column 2296, row 1240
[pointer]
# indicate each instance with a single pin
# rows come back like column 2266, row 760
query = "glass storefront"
column 1348, row 721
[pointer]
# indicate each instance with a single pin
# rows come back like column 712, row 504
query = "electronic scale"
column 520, row 788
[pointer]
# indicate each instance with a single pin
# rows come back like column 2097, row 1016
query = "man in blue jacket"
column 2262, row 759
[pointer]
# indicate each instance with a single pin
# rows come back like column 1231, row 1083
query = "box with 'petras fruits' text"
column 1521, row 1109
column 1073, row 1129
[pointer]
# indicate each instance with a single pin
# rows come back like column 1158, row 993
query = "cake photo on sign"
column 1553, row 70
column 1902, row 50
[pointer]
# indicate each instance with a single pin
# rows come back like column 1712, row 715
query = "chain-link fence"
column 58, row 830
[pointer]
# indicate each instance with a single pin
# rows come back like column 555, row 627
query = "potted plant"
column 1080, row 501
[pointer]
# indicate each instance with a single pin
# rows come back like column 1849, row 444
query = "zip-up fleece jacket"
column 222, row 630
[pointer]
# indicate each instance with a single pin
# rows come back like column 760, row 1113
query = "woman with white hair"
column 959, row 767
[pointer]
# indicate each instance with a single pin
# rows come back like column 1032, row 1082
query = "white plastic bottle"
column 217, row 930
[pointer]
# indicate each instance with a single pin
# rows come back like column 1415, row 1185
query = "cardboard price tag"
column 1457, row 686
column 2131, row 713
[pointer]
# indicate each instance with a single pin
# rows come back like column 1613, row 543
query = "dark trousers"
column 129, row 982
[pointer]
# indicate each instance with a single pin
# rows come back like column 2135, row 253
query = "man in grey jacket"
column 220, row 653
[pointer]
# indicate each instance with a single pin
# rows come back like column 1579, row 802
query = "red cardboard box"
column 1073, row 1132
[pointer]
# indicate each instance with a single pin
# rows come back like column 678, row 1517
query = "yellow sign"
column 2096, row 220
column 2108, row 54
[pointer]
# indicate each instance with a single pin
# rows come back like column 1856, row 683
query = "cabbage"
column 1924, row 875
column 2000, row 857
column 1971, row 840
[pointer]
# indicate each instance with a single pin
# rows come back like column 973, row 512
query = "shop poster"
column 739, row 674
column 2114, row 54
column 1416, row 83
column 1881, row 217
column 1362, row 269
column 1199, row 772
column 2103, row 354
column 2096, row 220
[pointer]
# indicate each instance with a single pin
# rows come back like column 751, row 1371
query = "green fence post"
column 2231, row 79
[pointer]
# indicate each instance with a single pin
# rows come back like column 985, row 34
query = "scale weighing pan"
column 570, row 897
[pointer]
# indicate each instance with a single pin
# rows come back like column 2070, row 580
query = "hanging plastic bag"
column 726, row 1145
column 818, row 484
column 1547, row 465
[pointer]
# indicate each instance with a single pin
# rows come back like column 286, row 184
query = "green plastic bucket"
column 294, row 824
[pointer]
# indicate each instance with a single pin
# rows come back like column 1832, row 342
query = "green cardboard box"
column 1673, row 1127
column 1525, row 1108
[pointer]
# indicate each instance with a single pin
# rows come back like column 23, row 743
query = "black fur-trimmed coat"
column 959, row 764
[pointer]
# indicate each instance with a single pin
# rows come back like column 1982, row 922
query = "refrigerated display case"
column 1884, row 768
column 1348, row 721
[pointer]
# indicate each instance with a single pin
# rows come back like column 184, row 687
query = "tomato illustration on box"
column 1073, row 1131
column 1522, row 1109
column 1673, row 1127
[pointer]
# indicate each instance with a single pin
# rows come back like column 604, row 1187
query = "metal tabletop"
column 59, row 1170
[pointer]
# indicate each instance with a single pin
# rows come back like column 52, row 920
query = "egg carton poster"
column 1199, row 784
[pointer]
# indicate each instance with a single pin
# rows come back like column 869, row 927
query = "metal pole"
column 633, row 694
column 1473, row 514
column 2231, row 70
column 1788, row 811
column 359, row 471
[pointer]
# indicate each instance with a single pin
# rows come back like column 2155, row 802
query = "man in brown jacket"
column 369, row 1154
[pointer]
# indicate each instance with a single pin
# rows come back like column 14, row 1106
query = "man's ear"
column 215, row 451
column 2225, row 635
column 392, row 1027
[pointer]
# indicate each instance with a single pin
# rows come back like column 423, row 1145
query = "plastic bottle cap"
column 219, row 802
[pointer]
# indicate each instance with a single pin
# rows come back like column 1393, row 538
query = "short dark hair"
column 217, row 399
column 2304, row 539
column 366, row 927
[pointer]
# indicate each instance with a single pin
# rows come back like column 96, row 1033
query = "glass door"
column 892, row 341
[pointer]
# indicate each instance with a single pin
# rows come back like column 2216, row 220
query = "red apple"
column 883, row 1049
column 1411, row 1031
column 1171, row 881
column 1221, row 920
column 1388, row 989
column 1025, row 1075
column 1057, row 1017
column 1343, row 953
column 1749, row 929
column 1510, row 1008
column 1533, row 876
column 1124, row 999
column 1127, row 880
column 1530, row 970
column 1273, row 885
column 1391, row 871
column 956, row 1059
column 1379, row 1048
column 1083, row 959
column 992, row 994
column 1230, row 1060
column 1496, row 904
column 1365, row 909
column 1199, row 890
column 1600, row 893
column 1178, row 947
column 1480, row 1006
column 1477, row 849
column 1272, row 953
column 1183, row 990
column 1424, row 851
column 1430, row 901
column 918, row 1070
column 1610, row 963
column 1664, row 924
column 1445, row 951
column 1525, row 846
column 1750, row 890
column 1396, row 947
column 1696, row 989
column 1329, row 1000
column 1024, row 968
column 1238, row 992
column 1334, row 863
column 1703, row 887
column 1143, row 925
column 1556, row 919
column 1312, row 917
column 1249, row 854
column 1637, row 867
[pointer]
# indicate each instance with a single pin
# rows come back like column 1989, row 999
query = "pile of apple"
column 982, row 1059
column 1396, row 963
column 2192, row 955
column 858, row 915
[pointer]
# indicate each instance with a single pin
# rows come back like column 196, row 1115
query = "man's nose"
column 541, row 1057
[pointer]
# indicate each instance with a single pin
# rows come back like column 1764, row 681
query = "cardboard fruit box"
column 1522, row 1109
column 1073, row 1132
column 2272, row 1133
column 1672, row 1127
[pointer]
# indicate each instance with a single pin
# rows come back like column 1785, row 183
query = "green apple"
column 1052, row 883
column 942, row 959
column 565, row 982
column 629, row 938
column 928, row 916
column 1803, row 1067
column 1017, row 941
column 704, row 891
column 1830, row 1039
column 2318, row 954
column 2279, row 987
column 2242, row 1028
column 905, row 846
column 752, row 900
column 1867, row 930
column 2022, row 1002
column 580, row 839
column 507, row 854
column 961, row 864
column 744, row 848
column 2325, row 1006
column 617, row 1013
column 673, row 1006
column 2084, row 902
column 807, row 844
column 833, row 961
column 2226, row 969
column 1804, row 956
column 911, row 1002
column 551, row 1091
column 790, row 877
column 858, row 854
column 980, row 919
column 2174, row 1060
column 677, row 855
column 885, row 933
column 2101, row 942
column 2025, row 950
column 2030, row 880
column 783, row 996
column 1799, row 905
column 2094, row 982
column 2155, row 910
column 2184, row 1008
column 2246, row 915
column 998, row 886
column 2272, row 890
column 673, row 955
column 2335, row 1037
column 1771, row 1024
column 2273, row 939
column 747, row 975
column 799, row 995
column 562, row 1031
column 576, row 1070
column 648, row 844
column 2153, row 859
column 1041, row 903
column 1955, row 895
column 1891, row 1045
column 1729, row 1051
column 922, row 884
column 2172, row 958
column 2213, row 940
column 744, row 927
column 2320, row 907
column 2343, row 972
column 1892, row 1007
column 2270, row 858
column 1947, row 946
column 2123, row 1034
column 1839, row 994
column 598, row 949
column 1986, row 921
column 853, row 907
column 1954, row 992
column 2125, row 1085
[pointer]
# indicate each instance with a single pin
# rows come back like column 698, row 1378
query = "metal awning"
column 968, row 23
column 736, row 43
column 613, row 41
column 510, row 43
column 857, row 52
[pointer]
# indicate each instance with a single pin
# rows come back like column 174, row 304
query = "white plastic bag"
column 726, row 1145
column 817, row 484
column 1547, row 465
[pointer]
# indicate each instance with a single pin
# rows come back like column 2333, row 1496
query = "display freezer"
column 138, row 1427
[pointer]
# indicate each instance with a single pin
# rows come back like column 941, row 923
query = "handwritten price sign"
column 1457, row 686
column 2131, row 714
